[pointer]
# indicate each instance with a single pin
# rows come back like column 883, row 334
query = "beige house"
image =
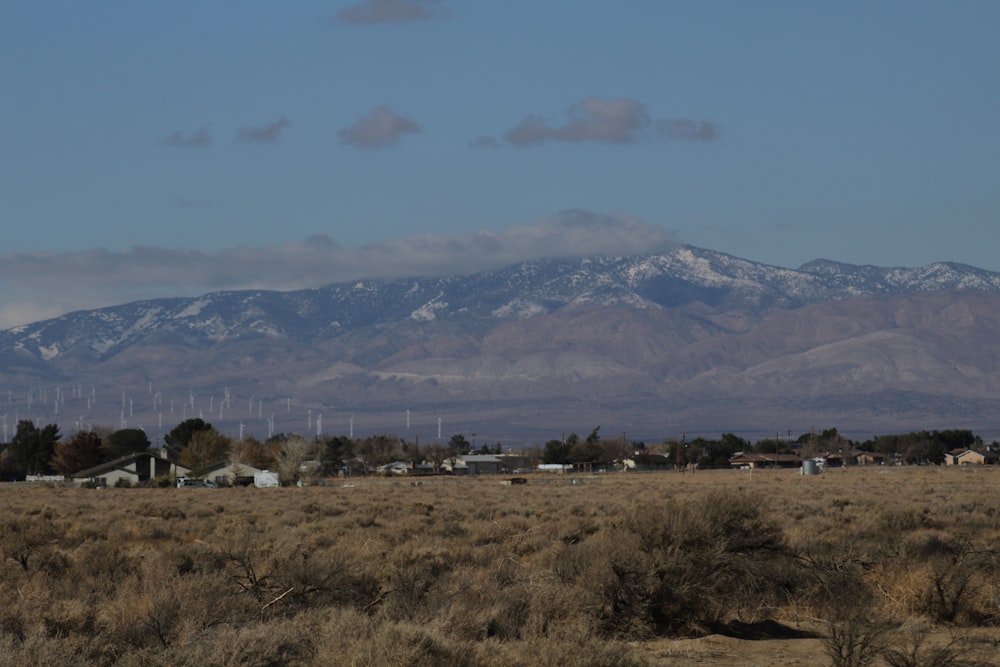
column 965, row 457
column 228, row 473
column 871, row 458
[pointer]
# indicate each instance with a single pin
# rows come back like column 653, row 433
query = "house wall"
column 483, row 468
column 970, row 458
column 110, row 478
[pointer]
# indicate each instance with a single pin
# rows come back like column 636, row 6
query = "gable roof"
column 480, row 458
column 754, row 457
column 122, row 463
column 246, row 468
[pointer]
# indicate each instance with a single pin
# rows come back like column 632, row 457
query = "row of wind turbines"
column 156, row 413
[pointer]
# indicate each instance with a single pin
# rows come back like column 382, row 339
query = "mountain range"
column 685, row 340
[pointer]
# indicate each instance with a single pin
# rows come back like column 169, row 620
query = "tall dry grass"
column 469, row 572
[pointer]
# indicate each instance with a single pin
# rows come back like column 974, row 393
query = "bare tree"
column 295, row 452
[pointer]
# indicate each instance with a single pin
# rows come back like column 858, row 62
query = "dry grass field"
column 883, row 566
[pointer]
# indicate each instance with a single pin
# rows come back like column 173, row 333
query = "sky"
column 169, row 149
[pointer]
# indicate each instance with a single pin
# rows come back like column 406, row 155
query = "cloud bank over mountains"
column 36, row 286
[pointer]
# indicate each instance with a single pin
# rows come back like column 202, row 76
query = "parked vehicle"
column 188, row 483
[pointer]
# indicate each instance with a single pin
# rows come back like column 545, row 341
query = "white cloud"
column 379, row 128
column 41, row 285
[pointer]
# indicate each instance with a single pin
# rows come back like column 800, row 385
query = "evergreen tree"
column 124, row 442
column 180, row 436
column 32, row 449
column 335, row 453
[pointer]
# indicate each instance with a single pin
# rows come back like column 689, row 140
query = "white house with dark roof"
column 133, row 468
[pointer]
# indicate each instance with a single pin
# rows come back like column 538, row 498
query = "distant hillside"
column 687, row 340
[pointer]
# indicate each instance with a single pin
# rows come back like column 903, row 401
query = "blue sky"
column 154, row 149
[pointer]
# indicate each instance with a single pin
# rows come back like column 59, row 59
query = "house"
column 481, row 464
column 131, row 469
column 847, row 457
column 229, row 473
column 754, row 460
column 646, row 461
column 871, row 458
column 967, row 457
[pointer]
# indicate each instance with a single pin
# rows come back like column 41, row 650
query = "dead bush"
column 24, row 539
column 948, row 580
column 407, row 579
column 910, row 649
column 311, row 578
column 691, row 565
column 857, row 639
column 39, row 649
column 407, row 645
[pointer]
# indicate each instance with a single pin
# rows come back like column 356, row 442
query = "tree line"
column 917, row 447
column 196, row 444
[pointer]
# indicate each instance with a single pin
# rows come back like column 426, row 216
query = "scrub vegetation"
column 881, row 565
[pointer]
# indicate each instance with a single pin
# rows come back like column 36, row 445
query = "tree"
column 436, row 454
column 335, row 453
column 295, row 451
column 772, row 446
column 84, row 450
column 253, row 452
column 207, row 446
column 557, row 451
column 458, row 444
column 587, row 451
column 32, row 449
column 180, row 436
column 377, row 450
column 124, row 442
